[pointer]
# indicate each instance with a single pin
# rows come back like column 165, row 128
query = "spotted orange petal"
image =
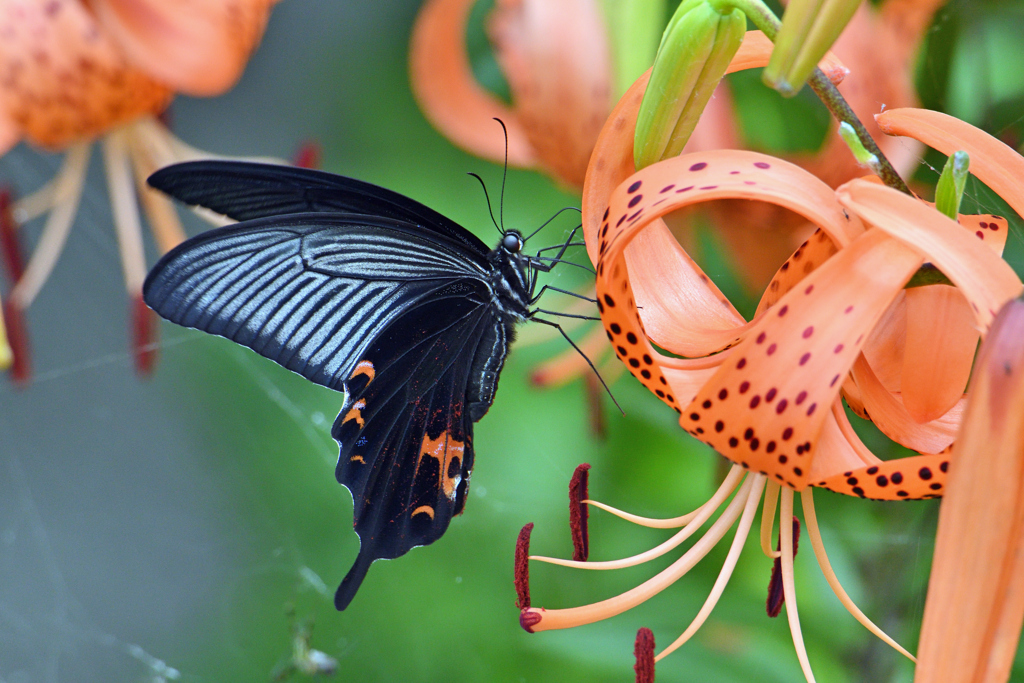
column 985, row 279
column 766, row 406
column 449, row 95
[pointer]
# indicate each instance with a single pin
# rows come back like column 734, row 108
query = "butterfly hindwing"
column 406, row 437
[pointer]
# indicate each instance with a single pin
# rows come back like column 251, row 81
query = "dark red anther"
column 528, row 619
column 145, row 328
column 776, row 596
column 579, row 514
column 308, row 155
column 521, row 575
column 643, row 650
column 17, row 338
column 10, row 245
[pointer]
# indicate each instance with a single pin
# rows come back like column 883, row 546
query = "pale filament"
column 807, row 498
column 727, row 487
column 702, row 513
column 588, row 614
column 738, row 541
column 771, row 500
column 67, row 191
column 160, row 212
column 125, row 211
column 788, row 583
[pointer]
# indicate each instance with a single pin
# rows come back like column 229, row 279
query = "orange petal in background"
column 556, row 59
column 449, row 95
column 197, row 47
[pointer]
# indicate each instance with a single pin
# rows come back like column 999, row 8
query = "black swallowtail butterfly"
column 367, row 292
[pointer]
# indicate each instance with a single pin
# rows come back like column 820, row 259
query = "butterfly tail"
column 350, row 584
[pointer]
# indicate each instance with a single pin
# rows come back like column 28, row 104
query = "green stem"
column 765, row 19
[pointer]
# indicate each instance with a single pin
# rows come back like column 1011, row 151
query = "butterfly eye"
column 512, row 242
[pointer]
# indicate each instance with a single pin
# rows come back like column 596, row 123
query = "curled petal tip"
column 529, row 618
column 521, row 575
column 643, row 650
column 578, row 513
column 144, row 331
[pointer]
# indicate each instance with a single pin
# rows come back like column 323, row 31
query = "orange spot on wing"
column 364, row 367
column 444, row 449
column 356, row 413
column 357, row 458
column 425, row 509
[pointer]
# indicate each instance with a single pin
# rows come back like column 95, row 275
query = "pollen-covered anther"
column 579, row 513
column 521, row 574
column 776, row 596
column 643, row 650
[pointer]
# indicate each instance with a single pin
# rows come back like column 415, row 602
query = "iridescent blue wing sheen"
column 244, row 191
column 309, row 291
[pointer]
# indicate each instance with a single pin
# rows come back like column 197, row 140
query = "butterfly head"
column 512, row 242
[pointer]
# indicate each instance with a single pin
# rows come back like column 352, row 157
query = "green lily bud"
column 809, row 28
column 634, row 27
column 695, row 51
column 950, row 189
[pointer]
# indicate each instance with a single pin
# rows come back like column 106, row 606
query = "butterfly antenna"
column 488, row 198
column 589, row 362
column 544, row 224
column 504, row 175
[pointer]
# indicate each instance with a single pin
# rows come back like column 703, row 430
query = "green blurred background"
column 181, row 519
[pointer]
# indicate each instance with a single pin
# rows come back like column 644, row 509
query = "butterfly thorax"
column 510, row 277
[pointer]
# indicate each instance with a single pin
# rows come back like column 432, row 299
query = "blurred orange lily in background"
column 73, row 72
column 834, row 323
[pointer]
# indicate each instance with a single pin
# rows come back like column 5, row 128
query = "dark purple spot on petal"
column 782, row 406
column 634, row 187
column 700, row 166
column 762, row 164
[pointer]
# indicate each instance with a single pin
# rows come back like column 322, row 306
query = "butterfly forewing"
column 244, row 191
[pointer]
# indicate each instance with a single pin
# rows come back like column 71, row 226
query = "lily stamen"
column 814, row 532
column 728, row 486
column 738, row 541
column 587, row 614
column 771, row 501
column 702, row 515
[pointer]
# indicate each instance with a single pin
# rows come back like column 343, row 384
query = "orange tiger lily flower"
column 72, row 72
column 768, row 394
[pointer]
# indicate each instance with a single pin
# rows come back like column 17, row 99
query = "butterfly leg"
column 579, row 351
column 564, row 315
column 535, row 298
